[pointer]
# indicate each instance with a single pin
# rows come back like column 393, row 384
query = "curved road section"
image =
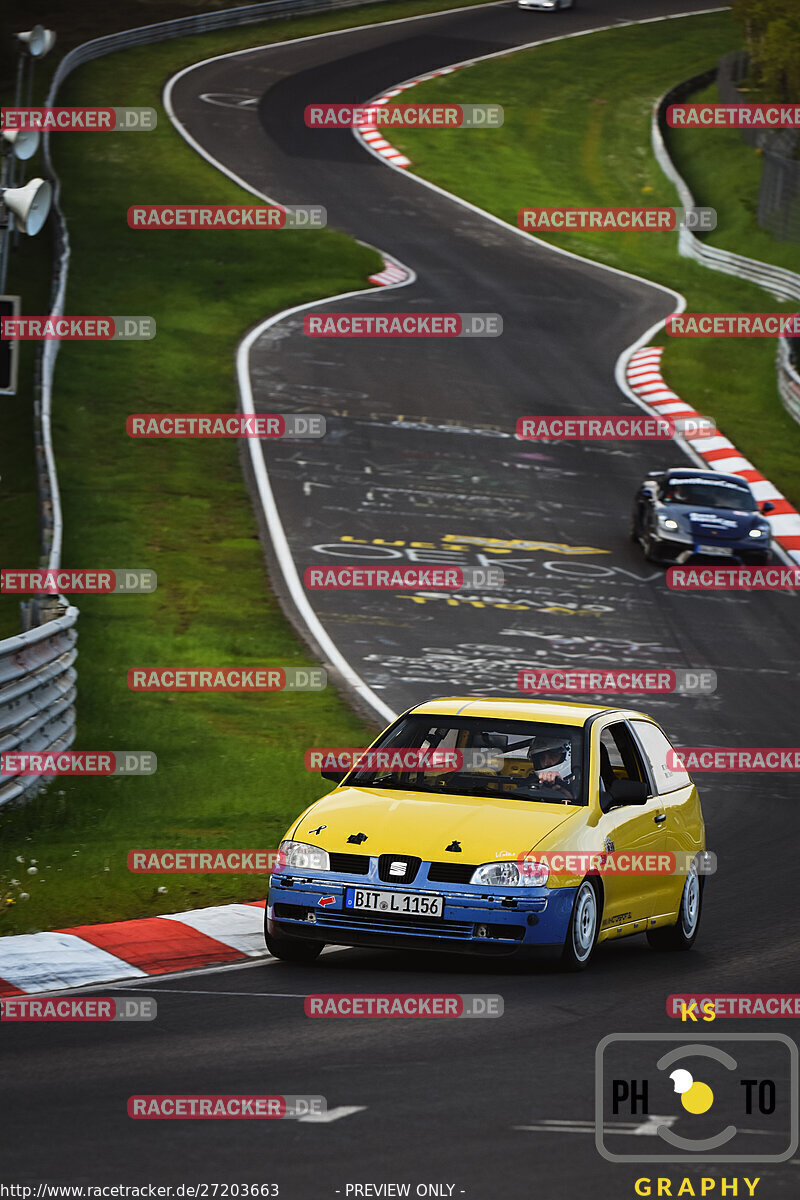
column 420, row 466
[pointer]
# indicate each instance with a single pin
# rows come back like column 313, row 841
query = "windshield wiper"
column 397, row 784
column 466, row 790
column 483, row 790
column 491, row 792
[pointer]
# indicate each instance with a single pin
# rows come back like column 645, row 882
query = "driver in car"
column 544, row 761
column 552, row 762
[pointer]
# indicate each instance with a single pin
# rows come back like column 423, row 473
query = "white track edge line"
column 272, row 516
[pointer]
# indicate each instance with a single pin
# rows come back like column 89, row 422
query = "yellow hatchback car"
column 495, row 827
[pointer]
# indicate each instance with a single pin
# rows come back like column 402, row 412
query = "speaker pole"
column 8, row 226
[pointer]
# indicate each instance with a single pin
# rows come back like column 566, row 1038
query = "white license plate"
column 404, row 903
column 713, row 550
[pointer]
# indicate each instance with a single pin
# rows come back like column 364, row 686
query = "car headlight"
column 758, row 533
column 667, row 522
column 301, row 856
column 512, row 874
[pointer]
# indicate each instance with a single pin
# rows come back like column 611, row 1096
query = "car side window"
column 619, row 755
column 658, row 749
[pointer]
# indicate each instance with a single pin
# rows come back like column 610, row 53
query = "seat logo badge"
column 398, row 868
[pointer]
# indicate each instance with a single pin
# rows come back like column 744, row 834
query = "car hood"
column 414, row 823
column 722, row 523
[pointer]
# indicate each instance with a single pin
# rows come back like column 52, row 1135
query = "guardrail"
column 37, row 673
column 782, row 284
column 162, row 31
column 37, row 695
column 788, row 381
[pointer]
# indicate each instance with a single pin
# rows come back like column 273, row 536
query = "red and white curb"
column 87, row 954
column 644, row 377
column 372, row 135
column 392, row 273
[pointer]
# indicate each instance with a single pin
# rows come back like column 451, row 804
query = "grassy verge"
column 577, row 131
column 729, row 181
column 230, row 766
column 30, row 264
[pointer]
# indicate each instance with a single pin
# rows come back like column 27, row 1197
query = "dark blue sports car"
column 684, row 512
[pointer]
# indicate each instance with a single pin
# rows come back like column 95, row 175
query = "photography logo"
column 729, row 1098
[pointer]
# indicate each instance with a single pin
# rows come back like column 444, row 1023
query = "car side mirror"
column 334, row 776
column 767, row 507
column 624, row 791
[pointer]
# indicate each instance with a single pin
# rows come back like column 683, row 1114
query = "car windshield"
column 708, row 493
column 482, row 757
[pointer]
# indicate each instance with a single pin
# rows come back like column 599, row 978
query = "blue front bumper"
column 475, row 921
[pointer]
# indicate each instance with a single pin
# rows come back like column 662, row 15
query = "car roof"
column 565, row 712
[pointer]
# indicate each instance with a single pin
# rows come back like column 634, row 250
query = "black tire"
column 682, row 935
column 295, row 950
column 635, row 527
column 648, row 548
column 584, row 926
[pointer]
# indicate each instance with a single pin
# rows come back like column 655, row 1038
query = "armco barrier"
column 37, row 673
column 783, row 284
column 37, row 695
column 788, row 381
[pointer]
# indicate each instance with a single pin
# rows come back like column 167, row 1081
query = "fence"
column 783, row 284
column 788, row 381
column 779, row 191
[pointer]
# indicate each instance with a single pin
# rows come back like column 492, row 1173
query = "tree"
column 772, row 33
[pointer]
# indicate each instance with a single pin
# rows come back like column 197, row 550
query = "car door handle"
column 659, row 817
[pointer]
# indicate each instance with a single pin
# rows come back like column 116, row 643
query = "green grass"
column 577, row 131
column 30, row 266
column 729, row 180
column 230, row 766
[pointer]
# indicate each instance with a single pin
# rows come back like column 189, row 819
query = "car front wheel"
column 289, row 949
column 584, row 925
column 649, row 546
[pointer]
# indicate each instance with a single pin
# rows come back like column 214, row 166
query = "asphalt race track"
column 420, row 465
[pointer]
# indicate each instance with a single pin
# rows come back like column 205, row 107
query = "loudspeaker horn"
column 39, row 41
column 23, row 143
column 29, row 204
